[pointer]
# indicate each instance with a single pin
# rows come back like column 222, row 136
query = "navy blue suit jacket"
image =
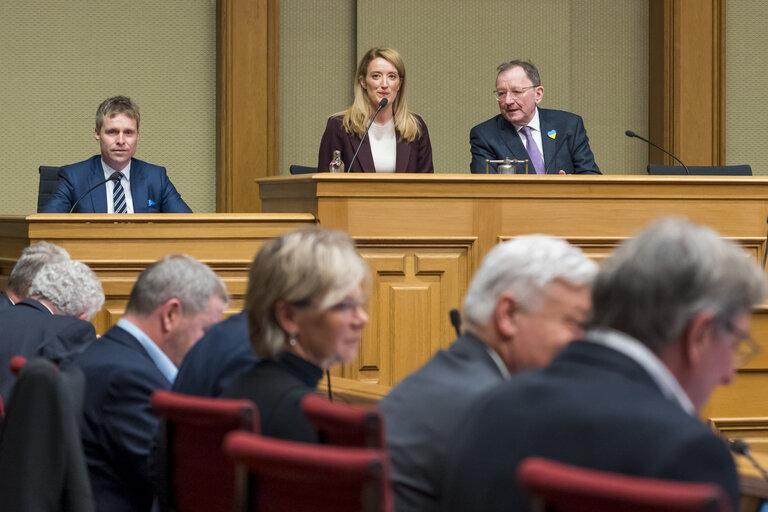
column 592, row 407
column 30, row 330
column 151, row 189
column 497, row 138
column 213, row 362
column 118, row 423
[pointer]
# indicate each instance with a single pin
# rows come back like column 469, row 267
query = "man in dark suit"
column 27, row 266
column 174, row 301
column 552, row 141
column 52, row 321
column 141, row 188
column 530, row 296
column 670, row 322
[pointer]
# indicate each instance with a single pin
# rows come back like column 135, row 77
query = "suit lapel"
column 549, row 144
column 403, row 153
column 98, row 196
column 365, row 157
column 512, row 140
column 138, row 189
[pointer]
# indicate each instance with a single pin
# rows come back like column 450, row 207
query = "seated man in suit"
column 553, row 141
column 142, row 187
column 528, row 299
column 173, row 302
column 670, row 322
column 28, row 265
column 52, row 321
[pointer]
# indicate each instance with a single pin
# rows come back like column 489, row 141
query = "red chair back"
column 195, row 475
column 17, row 363
column 559, row 487
column 293, row 476
column 342, row 424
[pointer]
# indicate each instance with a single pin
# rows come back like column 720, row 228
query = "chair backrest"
column 302, row 169
column 49, row 179
column 17, row 363
column 294, row 476
column 195, row 475
column 342, row 424
column 559, row 487
column 701, row 170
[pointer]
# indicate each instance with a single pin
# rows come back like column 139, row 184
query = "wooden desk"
column 424, row 235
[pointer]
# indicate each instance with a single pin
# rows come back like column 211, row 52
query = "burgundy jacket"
column 413, row 156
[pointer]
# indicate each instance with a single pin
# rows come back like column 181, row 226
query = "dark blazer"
column 421, row 413
column 497, row 138
column 5, row 301
column 151, row 189
column 591, row 407
column 118, row 423
column 217, row 359
column 29, row 329
column 413, row 156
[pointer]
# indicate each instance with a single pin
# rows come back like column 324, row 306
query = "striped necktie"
column 118, row 196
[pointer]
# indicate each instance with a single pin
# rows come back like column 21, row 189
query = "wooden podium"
column 424, row 235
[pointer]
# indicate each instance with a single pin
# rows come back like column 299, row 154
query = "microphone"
column 631, row 134
column 559, row 147
column 455, row 321
column 742, row 448
column 382, row 104
column 114, row 177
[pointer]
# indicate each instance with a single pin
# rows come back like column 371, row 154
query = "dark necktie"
column 533, row 151
column 118, row 196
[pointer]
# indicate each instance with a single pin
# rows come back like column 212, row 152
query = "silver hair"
column 656, row 282
column 524, row 266
column 70, row 286
column 178, row 276
column 312, row 265
column 29, row 264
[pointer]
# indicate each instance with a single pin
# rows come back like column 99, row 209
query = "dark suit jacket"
column 413, row 156
column 29, row 329
column 421, row 413
column 591, row 407
column 217, row 359
column 118, row 422
column 151, row 189
column 5, row 301
column 497, row 138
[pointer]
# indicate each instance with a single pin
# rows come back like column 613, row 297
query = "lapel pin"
column 150, row 203
column 552, row 134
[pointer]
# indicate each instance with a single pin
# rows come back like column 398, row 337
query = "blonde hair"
column 312, row 265
column 355, row 118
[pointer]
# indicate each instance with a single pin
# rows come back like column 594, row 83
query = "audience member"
column 142, row 187
column 305, row 305
column 173, row 302
column 671, row 320
column 26, row 268
column 528, row 299
column 52, row 321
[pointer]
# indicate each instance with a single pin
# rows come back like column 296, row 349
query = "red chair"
column 342, row 424
column 293, row 476
column 195, row 475
column 559, row 487
column 17, row 363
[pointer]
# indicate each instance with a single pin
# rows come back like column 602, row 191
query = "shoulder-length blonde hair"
column 357, row 116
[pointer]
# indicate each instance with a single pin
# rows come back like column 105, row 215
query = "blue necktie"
column 533, row 151
column 118, row 196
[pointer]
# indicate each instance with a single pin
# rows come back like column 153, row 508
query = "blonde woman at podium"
column 377, row 133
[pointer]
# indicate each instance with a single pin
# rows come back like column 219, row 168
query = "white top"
column 110, row 186
column 383, row 146
column 643, row 356
column 535, row 125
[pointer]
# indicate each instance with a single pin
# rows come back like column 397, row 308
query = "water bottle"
column 337, row 164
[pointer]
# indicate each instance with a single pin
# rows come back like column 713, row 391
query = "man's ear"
column 505, row 315
column 170, row 313
column 697, row 336
column 285, row 314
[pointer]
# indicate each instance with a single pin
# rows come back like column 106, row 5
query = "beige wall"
column 592, row 55
column 59, row 60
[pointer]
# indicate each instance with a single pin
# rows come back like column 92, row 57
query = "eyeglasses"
column 745, row 349
column 501, row 94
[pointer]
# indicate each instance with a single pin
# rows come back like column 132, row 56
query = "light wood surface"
column 425, row 235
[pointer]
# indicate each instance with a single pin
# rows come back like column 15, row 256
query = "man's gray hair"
column 176, row 276
column 70, row 286
column 524, row 267
column 29, row 264
column 655, row 283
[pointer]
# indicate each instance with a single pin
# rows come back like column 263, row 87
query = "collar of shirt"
column 496, row 358
column 535, row 125
column 647, row 360
column 110, row 187
column 165, row 365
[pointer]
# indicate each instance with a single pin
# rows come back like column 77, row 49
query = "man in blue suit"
column 174, row 301
column 142, row 187
column 553, row 141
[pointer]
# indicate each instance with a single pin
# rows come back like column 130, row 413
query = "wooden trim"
column 247, row 108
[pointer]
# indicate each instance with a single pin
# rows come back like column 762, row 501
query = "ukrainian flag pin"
column 552, row 134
